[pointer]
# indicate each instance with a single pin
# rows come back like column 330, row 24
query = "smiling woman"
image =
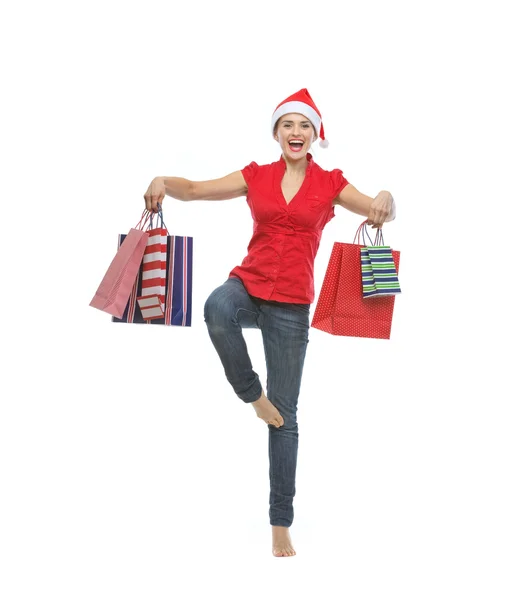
column 293, row 132
column 291, row 200
column 301, row 103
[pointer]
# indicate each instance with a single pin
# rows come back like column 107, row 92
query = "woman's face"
column 295, row 135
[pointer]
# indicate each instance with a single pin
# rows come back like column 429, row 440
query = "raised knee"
column 210, row 310
column 216, row 311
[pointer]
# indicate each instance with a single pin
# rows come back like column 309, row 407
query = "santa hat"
column 301, row 103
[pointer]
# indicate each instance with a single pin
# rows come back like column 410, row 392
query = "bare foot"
column 267, row 411
column 282, row 545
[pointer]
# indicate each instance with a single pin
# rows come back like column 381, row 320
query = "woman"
column 291, row 201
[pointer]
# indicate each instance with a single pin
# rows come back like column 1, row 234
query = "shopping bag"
column 384, row 271
column 378, row 272
column 341, row 308
column 115, row 288
column 367, row 278
column 177, row 306
column 153, row 268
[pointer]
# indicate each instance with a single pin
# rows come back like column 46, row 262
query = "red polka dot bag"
column 341, row 308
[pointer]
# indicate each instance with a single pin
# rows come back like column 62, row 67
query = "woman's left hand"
column 381, row 209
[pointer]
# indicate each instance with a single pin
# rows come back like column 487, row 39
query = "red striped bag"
column 152, row 297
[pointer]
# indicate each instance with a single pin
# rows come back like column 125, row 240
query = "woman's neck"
column 295, row 167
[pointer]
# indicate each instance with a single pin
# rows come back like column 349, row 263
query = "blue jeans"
column 285, row 329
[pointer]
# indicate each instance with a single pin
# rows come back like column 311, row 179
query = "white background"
column 129, row 468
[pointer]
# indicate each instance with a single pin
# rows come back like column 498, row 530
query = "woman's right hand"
column 155, row 194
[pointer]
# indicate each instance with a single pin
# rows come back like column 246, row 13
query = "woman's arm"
column 378, row 210
column 225, row 188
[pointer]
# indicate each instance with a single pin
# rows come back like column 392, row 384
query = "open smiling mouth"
column 296, row 146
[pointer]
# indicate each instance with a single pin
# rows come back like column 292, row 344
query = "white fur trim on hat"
column 297, row 107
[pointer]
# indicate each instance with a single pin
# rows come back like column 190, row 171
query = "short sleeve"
column 249, row 172
column 337, row 182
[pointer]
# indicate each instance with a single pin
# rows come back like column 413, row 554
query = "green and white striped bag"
column 379, row 275
column 369, row 288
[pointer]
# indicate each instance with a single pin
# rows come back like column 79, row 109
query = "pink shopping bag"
column 115, row 288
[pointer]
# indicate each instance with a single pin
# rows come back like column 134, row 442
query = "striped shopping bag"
column 153, row 272
column 145, row 300
column 383, row 267
column 378, row 272
column 367, row 278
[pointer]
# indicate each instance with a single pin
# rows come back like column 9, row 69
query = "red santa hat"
column 301, row 103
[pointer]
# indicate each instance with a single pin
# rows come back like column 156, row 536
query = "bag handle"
column 142, row 223
column 159, row 219
column 362, row 230
column 146, row 220
column 379, row 238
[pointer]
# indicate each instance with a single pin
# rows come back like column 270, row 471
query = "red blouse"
column 286, row 237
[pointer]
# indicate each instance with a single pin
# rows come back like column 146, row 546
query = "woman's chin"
column 295, row 155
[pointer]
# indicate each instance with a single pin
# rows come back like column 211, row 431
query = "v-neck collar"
column 282, row 166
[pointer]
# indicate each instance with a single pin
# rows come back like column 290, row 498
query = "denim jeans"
column 285, row 328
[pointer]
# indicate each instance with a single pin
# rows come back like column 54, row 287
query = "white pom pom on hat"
column 302, row 103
